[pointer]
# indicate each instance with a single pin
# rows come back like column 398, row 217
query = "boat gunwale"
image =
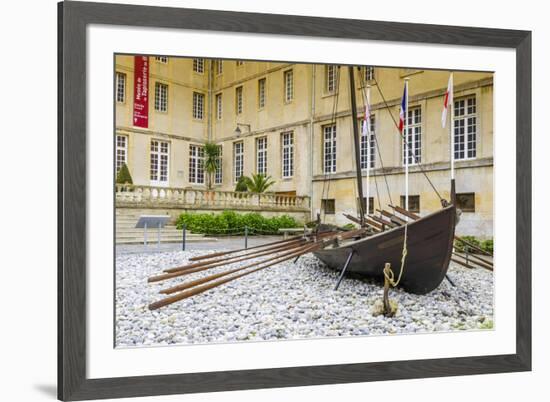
column 352, row 243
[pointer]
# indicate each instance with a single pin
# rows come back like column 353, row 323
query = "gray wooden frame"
column 73, row 17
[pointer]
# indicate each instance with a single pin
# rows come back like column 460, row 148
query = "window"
column 328, row 206
column 465, row 128
column 369, row 73
column 159, row 162
column 219, row 67
column 261, row 93
column 261, row 155
column 371, row 205
column 288, row 154
column 413, row 137
column 121, row 151
column 368, row 145
column 466, row 202
column 219, row 176
column 414, row 203
column 289, row 86
column 219, row 105
column 239, row 63
column 196, row 164
column 329, row 154
column 238, row 160
column 331, row 72
column 161, row 97
column 198, row 105
column 198, row 65
column 120, row 87
column 162, row 59
column 239, row 100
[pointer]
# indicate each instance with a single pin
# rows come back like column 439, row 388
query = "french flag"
column 447, row 101
column 403, row 110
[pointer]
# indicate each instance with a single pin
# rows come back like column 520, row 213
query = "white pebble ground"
column 287, row 301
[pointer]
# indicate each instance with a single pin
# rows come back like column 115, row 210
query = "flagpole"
column 406, row 142
column 367, row 125
column 451, row 129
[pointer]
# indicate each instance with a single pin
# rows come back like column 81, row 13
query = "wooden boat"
column 418, row 249
column 429, row 240
column 429, row 244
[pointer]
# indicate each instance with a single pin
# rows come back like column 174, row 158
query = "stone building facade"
column 294, row 124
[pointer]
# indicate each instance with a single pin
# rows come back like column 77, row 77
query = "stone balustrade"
column 136, row 196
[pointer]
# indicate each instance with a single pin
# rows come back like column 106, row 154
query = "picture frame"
column 73, row 20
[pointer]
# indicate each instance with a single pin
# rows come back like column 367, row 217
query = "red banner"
column 141, row 91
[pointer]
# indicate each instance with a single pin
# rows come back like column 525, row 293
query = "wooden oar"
column 200, row 281
column 207, row 256
column 404, row 212
column 251, row 253
column 297, row 252
column 374, row 224
column 473, row 246
column 203, row 288
column 392, row 217
column 171, row 275
column 384, row 221
column 352, row 218
column 227, row 260
column 469, row 260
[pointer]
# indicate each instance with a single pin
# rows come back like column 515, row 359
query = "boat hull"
column 429, row 246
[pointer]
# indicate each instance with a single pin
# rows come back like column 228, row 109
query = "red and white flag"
column 366, row 120
column 448, row 101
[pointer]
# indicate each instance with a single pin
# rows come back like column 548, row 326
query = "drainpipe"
column 209, row 114
column 311, row 132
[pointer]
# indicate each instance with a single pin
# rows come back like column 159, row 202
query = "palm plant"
column 258, row 183
column 211, row 161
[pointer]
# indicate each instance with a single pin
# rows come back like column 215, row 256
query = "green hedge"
column 485, row 245
column 232, row 223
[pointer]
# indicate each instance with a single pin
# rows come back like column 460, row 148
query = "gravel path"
column 287, row 301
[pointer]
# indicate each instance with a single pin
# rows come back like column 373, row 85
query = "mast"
column 452, row 140
column 406, row 142
column 356, row 145
column 368, row 134
column 451, row 133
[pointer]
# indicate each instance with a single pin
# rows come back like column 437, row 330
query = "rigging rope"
column 327, row 179
column 378, row 198
column 407, row 144
column 363, row 87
